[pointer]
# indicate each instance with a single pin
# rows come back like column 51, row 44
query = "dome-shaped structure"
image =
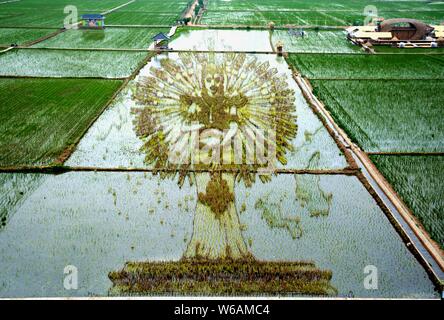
column 406, row 29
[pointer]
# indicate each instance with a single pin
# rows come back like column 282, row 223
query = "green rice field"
column 336, row 5
column 319, row 13
column 33, row 13
column 418, row 180
column 364, row 66
column 126, row 38
column 40, row 118
column 279, row 18
column 10, row 36
column 134, row 165
column 29, row 17
column 69, row 63
column 389, row 116
column 50, row 5
column 127, row 18
column 315, row 41
column 161, row 6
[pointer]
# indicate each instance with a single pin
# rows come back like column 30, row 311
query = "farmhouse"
column 161, row 41
column 93, row 21
column 403, row 33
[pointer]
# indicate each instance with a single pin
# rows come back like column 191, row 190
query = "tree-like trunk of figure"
column 217, row 231
column 309, row 191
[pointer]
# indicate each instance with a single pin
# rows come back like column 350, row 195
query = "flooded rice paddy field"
column 112, row 140
column 319, row 41
column 61, row 63
column 99, row 221
column 222, row 40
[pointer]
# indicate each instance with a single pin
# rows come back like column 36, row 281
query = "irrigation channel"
column 325, row 212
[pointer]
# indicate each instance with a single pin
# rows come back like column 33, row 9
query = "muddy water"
column 98, row 221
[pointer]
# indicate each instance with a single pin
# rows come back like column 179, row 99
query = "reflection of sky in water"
column 98, row 221
column 112, row 142
column 355, row 233
column 223, row 40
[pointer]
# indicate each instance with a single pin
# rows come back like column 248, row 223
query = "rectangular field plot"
column 128, row 18
column 59, row 5
column 41, row 117
column 165, row 6
column 431, row 17
column 69, row 63
column 387, row 116
column 320, row 13
column 134, row 38
column 21, row 36
column 328, row 5
column 315, row 41
column 115, row 139
column 365, row 66
column 419, row 181
column 31, row 18
column 222, row 40
column 101, row 221
column 279, row 18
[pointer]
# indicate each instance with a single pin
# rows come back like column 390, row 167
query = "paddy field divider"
column 61, row 78
column 403, row 153
column 60, row 168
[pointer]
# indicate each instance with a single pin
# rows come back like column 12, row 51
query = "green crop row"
column 335, row 5
column 48, row 13
column 321, row 12
column 59, row 5
column 153, row 6
column 41, row 117
column 69, row 63
column 21, row 36
column 399, row 66
column 128, row 18
column 315, row 41
column 126, row 38
column 389, row 116
column 419, row 181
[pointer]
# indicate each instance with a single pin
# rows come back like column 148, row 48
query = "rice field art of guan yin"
column 213, row 122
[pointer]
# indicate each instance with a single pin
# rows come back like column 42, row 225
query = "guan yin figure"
column 215, row 120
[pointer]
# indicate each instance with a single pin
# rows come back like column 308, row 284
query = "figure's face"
column 214, row 106
column 234, row 97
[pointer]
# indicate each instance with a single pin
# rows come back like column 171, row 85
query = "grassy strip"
column 222, row 277
column 418, row 180
column 41, row 117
